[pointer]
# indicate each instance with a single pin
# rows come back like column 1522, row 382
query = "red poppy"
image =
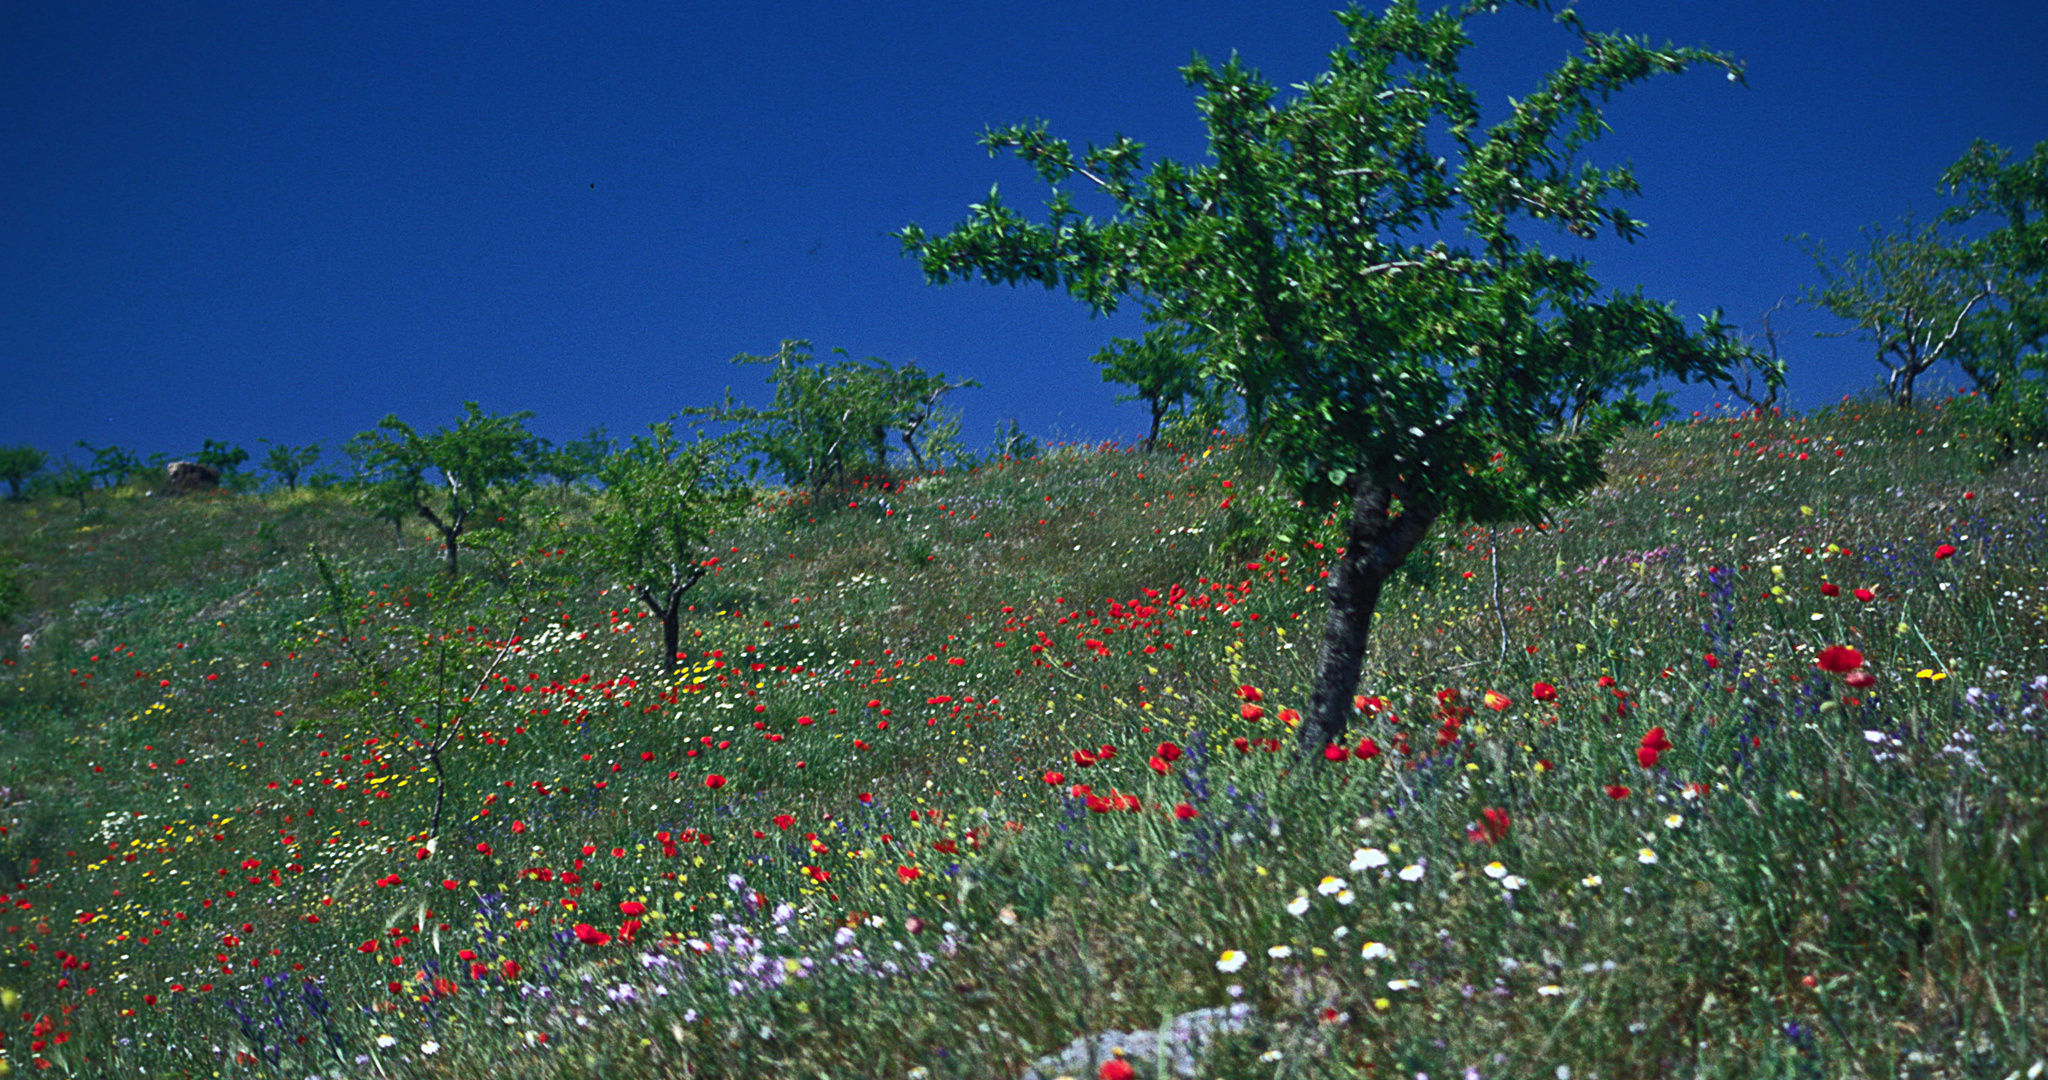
column 1127, row 802
column 1492, row 827
column 1860, row 679
column 1183, row 811
column 1251, row 712
column 1543, row 691
column 509, row 969
column 1054, row 778
column 1712, row 661
column 714, row 781
column 1158, row 764
column 1829, row 588
column 1080, row 791
column 908, row 874
column 1865, row 595
column 1944, row 551
column 1250, row 693
column 632, row 908
column 1116, row 1069
column 784, row 821
column 1244, row 745
column 1647, row 756
column 1168, row 751
column 1333, row 752
column 1656, row 740
column 1083, row 758
column 591, row 935
column 1839, row 659
column 1617, row 791
column 1366, row 750
column 1497, row 701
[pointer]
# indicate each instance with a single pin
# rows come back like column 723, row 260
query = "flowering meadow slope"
column 1735, row 769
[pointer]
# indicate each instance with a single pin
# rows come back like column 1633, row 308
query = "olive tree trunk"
column 1377, row 541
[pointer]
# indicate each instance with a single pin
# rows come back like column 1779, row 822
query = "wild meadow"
column 1734, row 768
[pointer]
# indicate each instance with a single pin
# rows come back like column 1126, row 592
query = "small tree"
column 1400, row 344
column 70, row 481
column 17, row 464
column 1908, row 293
column 577, row 459
column 830, row 423
column 286, row 462
column 661, row 502
column 2004, row 346
column 1163, row 370
column 111, row 465
column 226, row 459
column 479, row 470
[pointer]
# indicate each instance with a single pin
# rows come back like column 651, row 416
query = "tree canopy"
column 479, row 470
column 1359, row 261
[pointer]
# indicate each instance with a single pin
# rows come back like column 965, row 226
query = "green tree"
column 111, row 465
column 577, row 459
column 1163, row 370
column 1355, row 261
column 17, row 464
column 830, row 423
column 2004, row 342
column 286, row 462
column 226, row 459
column 70, row 481
column 1909, row 293
column 661, row 502
column 479, row 470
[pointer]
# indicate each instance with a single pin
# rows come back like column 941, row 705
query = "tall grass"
column 847, row 839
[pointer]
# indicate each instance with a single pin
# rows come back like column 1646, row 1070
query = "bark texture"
column 1376, row 543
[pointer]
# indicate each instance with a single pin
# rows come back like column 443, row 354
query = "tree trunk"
column 1158, row 410
column 671, row 635
column 1375, row 546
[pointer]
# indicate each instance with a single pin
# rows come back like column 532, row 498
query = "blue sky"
column 275, row 221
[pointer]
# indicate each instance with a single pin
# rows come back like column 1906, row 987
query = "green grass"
column 221, row 782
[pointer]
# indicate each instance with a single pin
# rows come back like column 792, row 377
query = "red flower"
column 1944, row 551
column 1250, row 693
column 908, row 874
column 632, row 908
column 1655, row 740
column 1333, row 752
column 1366, row 750
column 1617, row 792
column 1251, row 712
column 1860, row 679
column 1168, row 751
column 1244, row 745
column 1713, row 661
column 1492, row 827
column 1183, row 811
column 1829, row 588
column 1080, row 791
column 1865, row 595
column 1116, row 1069
column 1839, row 659
column 1647, row 756
column 1158, row 764
column 1127, row 802
column 1497, row 701
column 714, row 781
column 591, row 935
column 1543, row 691
column 509, row 969
column 1083, row 758
column 1054, row 778
column 784, row 821
column 483, row 847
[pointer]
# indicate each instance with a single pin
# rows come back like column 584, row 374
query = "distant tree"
column 70, row 481
column 1909, row 293
column 111, row 465
column 2004, row 342
column 1163, row 370
column 226, row 459
column 17, row 464
column 830, row 423
column 286, row 462
column 653, row 522
column 577, row 459
column 1401, row 345
column 452, row 478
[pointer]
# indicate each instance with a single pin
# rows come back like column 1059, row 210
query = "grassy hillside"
column 965, row 769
